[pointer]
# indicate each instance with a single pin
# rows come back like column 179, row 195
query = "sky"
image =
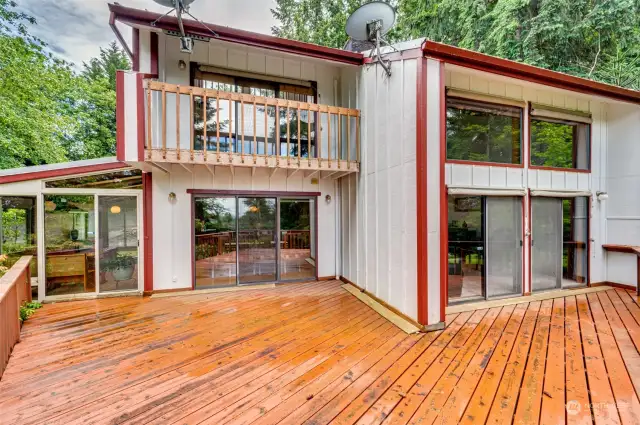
column 76, row 29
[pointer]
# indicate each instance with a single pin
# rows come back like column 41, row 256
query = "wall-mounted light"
column 172, row 197
column 602, row 196
column 182, row 64
column 115, row 209
column 327, row 199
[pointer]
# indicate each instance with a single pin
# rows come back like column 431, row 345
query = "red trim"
column 488, row 164
column 144, row 18
column 444, row 202
column 421, row 193
column 116, row 31
column 147, row 225
column 142, row 125
column 570, row 170
column 508, row 68
column 135, row 40
column 154, row 53
column 625, row 249
column 250, row 192
column 120, row 116
column 193, row 244
column 317, row 201
column 62, row 172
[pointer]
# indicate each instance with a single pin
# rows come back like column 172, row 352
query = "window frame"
column 491, row 101
column 542, row 118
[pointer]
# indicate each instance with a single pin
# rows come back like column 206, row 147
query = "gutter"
column 116, row 31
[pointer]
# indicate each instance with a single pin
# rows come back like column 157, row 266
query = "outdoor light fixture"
column 602, row 196
column 172, row 197
column 115, row 209
column 327, row 199
column 182, row 64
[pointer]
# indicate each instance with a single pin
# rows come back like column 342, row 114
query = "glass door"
column 118, row 243
column 297, row 239
column 69, row 239
column 503, row 246
column 546, row 243
column 215, row 242
column 257, row 240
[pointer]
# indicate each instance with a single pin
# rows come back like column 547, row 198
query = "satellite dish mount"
column 181, row 7
column 370, row 22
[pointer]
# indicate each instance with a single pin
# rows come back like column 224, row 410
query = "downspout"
column 116, row 31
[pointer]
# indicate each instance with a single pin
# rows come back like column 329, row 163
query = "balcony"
column 248, row 130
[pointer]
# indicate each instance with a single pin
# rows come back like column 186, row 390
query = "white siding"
column 622, row 183
column 378, row 214
column 172, row 221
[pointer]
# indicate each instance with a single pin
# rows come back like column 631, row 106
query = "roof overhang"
column 521, row 71
column 64, row 169
column 144, row 18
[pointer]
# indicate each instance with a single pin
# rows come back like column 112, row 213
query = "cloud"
column 76, row 29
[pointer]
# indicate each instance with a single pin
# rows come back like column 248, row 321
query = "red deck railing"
column 15, row 289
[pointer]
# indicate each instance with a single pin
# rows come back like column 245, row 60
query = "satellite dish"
column 181, row 7
column 370, row 22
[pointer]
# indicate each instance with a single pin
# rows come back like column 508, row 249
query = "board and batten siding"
column 172, row 226
column 378, row 205
column 622, row 183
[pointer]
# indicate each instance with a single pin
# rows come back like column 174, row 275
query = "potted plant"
column 121, row 267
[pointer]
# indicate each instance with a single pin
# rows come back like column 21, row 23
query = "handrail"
column 238, row 137
column 15, row 289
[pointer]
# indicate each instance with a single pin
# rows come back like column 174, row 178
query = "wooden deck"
column 312, row 353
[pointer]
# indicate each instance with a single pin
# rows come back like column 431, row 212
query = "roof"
column 62, row 169
column 144, row 18
column 444, row 52
column 509, row 68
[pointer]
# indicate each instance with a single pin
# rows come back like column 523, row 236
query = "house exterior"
column 460, row 177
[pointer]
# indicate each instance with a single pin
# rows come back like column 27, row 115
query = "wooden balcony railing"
column 203, row 126
column 15, row 289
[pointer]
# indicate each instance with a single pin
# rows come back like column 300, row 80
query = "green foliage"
column 48, row 112
column 28, row 309
column 120, row 262
column 592, row 39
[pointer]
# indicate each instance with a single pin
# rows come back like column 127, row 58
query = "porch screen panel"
column 503, row 246
column 546, row 243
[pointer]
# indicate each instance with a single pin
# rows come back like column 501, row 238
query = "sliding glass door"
column 257, row 239
column 485, row 247
column 559, row 241
column 243, row 240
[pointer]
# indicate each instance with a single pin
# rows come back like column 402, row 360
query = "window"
column 237, row 119
column 559, row 144
column 125, row 179
column 485, row 132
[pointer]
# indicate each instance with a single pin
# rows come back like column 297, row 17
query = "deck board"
column 312, row 353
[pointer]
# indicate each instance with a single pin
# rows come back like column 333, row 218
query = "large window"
column 559, row 144
column 485, row 132
column 237, row 118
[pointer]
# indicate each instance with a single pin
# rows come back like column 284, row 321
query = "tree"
column 48, row 112
column 598, row 40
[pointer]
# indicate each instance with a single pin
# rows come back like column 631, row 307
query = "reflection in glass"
column 297, row 261
column 69, row 223
column 215, row 242
column 560, row 144
column 118, row 243
column 546, row 243
column 256, row 239
column 478, row 131
column 18, row 227
column 125, row 179
column 466, row 248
